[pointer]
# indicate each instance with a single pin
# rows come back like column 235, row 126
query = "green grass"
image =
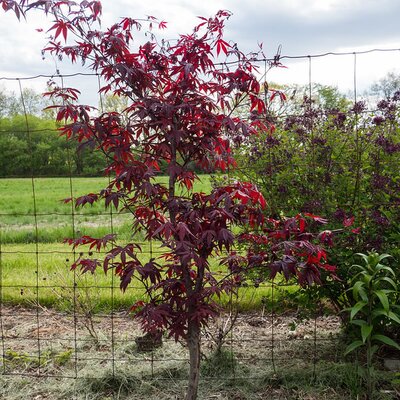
column 20, row 198
column 58, row 286
column 22, row 271
column 56, row 231
column 17, row 194
column 23, row 234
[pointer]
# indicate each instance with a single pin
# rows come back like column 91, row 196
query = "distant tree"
column 330, row 98
column 3, row 102
column 287, row 99
column 387, row 86
column 31, row 102
column 16, row 147
column 115, row 103
column 42, row 150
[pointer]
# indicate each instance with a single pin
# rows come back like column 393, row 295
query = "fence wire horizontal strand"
column 275, row 59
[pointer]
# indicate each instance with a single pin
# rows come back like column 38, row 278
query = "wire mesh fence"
column 59, row 323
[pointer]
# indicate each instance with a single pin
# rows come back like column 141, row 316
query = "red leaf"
column 262, row 201
column 348, row 222
column 329, row 268
column 96, row 8
column 316, row 218
column 222, row 46
column 61, row 27
column 138, row 304
column 302, row 222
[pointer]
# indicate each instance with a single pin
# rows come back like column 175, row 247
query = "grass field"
column 32, row 253
column 21, row 199
column 23, row 271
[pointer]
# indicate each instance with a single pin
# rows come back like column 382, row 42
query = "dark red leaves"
column 112, row 198
column 137, row 306
column 86, row 265
column 278, row 93
column 183, row 231
column 245, row 192
column 96, row 8
column 257, row 104
column 348, row 222
column 98, row 244
column 316, row 218
column 66, row 94
column 288, row 247
column 178, row 115
column 14, row 6
column 86, row 199
column 326, row 238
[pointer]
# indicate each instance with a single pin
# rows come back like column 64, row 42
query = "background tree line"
column 43, row 152
column 32, row 144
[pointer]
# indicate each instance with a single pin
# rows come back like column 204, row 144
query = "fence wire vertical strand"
column 272, row 326
column 232, row 322
column 232, row 309
column 314, row 375
column 3, row 344
column 112, row 291
column 313, row 176
column 73, row 225
column 112, row 304
column 152, row 349
column 355, row 95
column 231, row 326
column 231, row 306
column 356, row 195
column 30, row 146
column 355, row 77
column 271, row 202
column 74, row 272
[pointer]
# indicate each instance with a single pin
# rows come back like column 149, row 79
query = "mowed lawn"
column 35, row 211
column 35, row 264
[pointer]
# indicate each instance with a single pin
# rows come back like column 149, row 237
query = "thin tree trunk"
column 193, row 342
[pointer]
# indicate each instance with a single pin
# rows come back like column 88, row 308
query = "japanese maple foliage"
column 181, row 111
column 288, row 247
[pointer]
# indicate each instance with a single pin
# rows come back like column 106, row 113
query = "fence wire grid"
column 76, row 340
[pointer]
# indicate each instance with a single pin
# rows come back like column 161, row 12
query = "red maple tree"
column 181, row 111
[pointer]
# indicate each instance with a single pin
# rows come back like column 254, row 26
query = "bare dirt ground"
column 49, row 355
column 110, row 338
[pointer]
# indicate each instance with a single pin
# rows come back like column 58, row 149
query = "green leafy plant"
column 375, row 293
column 331, row 157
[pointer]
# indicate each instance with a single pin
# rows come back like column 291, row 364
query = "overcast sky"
column 301, row 27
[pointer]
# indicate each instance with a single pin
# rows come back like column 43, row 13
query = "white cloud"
column 301, row 26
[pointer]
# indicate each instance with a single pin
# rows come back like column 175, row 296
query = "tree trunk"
column 193, row 342
column 79, row 162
